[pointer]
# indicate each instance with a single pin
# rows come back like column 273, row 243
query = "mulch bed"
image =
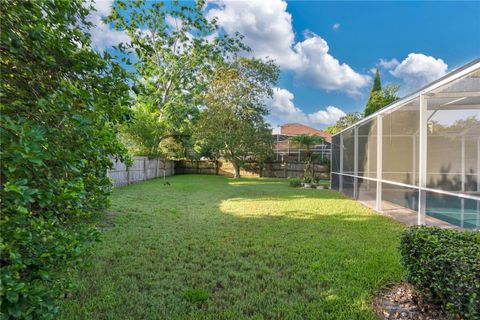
column 401, row 301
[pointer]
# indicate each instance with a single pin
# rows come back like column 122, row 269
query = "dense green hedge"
column 444, row 265
column 60, row 103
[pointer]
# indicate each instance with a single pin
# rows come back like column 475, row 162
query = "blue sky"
column 369, row 31
column 327, row 50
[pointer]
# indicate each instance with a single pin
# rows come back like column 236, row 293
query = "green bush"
column 444, row 265
column 295, row 182
column 60, row 103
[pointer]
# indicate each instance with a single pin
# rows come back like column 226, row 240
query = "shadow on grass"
column 258, row 248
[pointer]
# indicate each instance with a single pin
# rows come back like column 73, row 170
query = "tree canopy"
column 174, row 49
column 60, row 105
column 377, row 85
column 232, row 122
column 379, row 97
column 344, row 122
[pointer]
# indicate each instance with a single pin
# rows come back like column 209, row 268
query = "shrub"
column 295, row 182
column 444, row 265
column 60, row 102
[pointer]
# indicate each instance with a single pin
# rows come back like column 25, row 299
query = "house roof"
column 295, row 129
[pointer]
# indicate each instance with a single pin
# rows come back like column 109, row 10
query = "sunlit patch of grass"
column 208, row 247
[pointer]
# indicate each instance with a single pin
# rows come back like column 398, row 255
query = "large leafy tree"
column 60, row 104
column 174, row 49
column 232, row 122
column 379, row 97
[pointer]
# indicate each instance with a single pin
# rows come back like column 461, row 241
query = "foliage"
column 202, row 149
column 377, row 85
column 321, row 160
column 232, row 122
column 308, row 172
column 60, row 103
column 444, row 265
column 295, row 182
column 307, row 141
column 379, row 97
column 257, row 246
column 344, row 122
column 174, row 48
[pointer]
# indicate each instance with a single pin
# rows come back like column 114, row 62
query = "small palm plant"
column 307, row 141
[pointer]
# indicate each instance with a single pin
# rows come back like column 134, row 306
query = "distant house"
column 286, row 150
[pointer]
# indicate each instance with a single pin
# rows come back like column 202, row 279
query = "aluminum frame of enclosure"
column 421, row 152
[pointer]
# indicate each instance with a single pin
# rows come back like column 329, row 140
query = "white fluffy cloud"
column 284, row 110
column 103, row 36
column 328, row 116
column 388, row 64
column 418, row 70
column 322, row 70
column 282, row 106
column 267, row 27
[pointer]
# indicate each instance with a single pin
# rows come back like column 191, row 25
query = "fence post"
column 128, row 176
column 145, row 169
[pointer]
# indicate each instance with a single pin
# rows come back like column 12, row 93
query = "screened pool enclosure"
column 420, row 155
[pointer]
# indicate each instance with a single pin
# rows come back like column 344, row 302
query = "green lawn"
column 209, row 247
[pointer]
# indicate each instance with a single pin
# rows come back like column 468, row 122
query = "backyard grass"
column 209, row 247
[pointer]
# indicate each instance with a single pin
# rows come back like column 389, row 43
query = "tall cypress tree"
column 377, row 85
column 378, row 98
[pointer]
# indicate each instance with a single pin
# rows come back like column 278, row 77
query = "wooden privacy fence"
column 294, row 170
column 271, row 169
column 223, row 168
column 142, row 169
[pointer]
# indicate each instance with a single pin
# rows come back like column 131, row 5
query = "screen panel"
column 335, row 162
column 348, row 151
column 367, row 192
column 367, row 149
column 399, row 195
column 453, row 136
column 400, row 138
column 348, row 186
column 335, row 183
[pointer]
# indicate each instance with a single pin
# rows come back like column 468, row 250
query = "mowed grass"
column 209, row 247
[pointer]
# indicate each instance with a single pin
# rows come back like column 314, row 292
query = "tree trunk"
column 236, row 166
